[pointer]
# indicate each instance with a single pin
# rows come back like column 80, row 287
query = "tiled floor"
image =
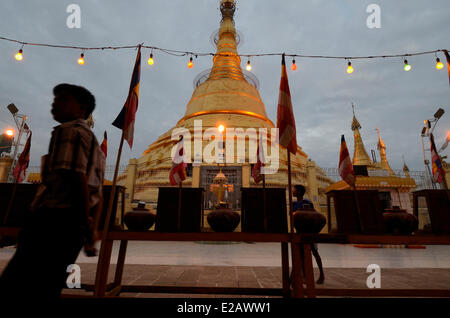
column 232, row 264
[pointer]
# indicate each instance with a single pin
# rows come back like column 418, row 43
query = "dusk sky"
column 322, row 92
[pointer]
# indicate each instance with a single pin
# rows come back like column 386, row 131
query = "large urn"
column 140, row 219
column 308, row 221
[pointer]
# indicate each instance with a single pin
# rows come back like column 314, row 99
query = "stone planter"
column 140, row 219
column 309, row 221
column 223, row 220
column 398, row 221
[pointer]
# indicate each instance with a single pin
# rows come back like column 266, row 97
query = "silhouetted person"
column 305, row 204
column 64, row 213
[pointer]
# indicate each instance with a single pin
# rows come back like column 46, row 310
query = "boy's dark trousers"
column 50, row 241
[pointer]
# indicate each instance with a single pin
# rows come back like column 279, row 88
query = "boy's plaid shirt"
column 73, row 147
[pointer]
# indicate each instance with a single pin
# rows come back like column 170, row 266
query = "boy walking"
column 66, row 208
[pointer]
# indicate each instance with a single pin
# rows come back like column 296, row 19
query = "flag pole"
column 107, row 220
column 290, row 191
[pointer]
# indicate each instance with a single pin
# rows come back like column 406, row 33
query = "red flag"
column 178, row 171
column 345, row 164
column 104, row 145
column 256, row 173
column 285, row 114
column 436, row 163
column 448, row 64
column 125, row 120
column 22, row 163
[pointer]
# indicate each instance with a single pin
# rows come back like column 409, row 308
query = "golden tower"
column 383, row 159
column 223, row 96
column 360, row 156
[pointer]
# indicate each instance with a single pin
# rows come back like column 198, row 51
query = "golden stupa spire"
column 383, row 159
column 227, row 63
column 405, row 168
column 360, row 156
column 227, row 94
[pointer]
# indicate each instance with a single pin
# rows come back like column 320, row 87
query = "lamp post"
column 427, row 130
column 20, row 121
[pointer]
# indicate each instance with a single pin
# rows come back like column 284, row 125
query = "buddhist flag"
column 285, row 114
column 448, row 64
column 178, row 171
column 125, row 120
column 436, row 163
column 345, row 164
column 256, row 173
column 20, row 170
column 104, row 145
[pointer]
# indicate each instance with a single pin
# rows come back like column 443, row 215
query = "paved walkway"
column 258, row 265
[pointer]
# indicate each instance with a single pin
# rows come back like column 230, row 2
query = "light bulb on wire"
column 81, row 59
column 439, row 64
column 19, row 55
column 294, row 66
column 191, row 63
column 150, row 59
column 407, row 67
column 249, row 66
column 350, row 68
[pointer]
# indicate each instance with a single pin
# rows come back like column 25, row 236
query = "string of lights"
column 151, row 61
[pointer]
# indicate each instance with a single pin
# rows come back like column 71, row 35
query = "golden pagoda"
column 393, row 190
column 360, row 156
column 383, row 159
column 229, row 97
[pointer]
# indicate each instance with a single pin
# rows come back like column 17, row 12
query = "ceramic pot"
column 309, row 221
column 398, row 221
column 223, row 220
column 140, row 219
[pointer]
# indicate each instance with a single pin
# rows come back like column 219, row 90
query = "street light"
column 12, row 108
column 21, row 127
column 427, row 130
column 439, row 113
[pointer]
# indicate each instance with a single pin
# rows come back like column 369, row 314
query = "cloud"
column 322, row 92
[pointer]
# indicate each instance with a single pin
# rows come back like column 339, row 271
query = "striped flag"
column 345, row 164
column 256, row 173
column 436, row 163
column 448, row 64
column 178, row 171
column 104, row 145
column 285, row 114
column 20, row 170
column 125, row 120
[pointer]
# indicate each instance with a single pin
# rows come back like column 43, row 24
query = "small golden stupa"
column 394, row 190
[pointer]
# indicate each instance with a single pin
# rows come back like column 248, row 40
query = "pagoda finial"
column 382, row 150
column 355, row 122
column 405, row 167
column 227, row 63
column 360, row 156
